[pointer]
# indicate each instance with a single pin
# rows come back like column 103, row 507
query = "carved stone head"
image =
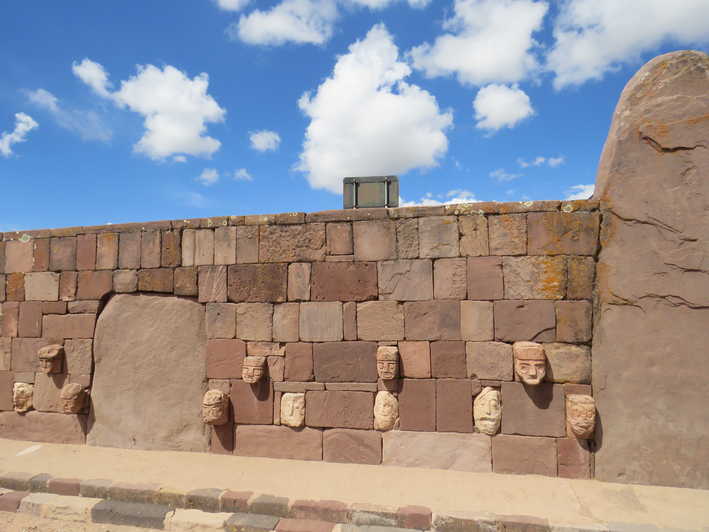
column 215, row 408
column 530, row 362
column 581, row 415
column 253, row 369
column 388, row 362
column 22, row 396
column 50, row 358
column 293, row 409
column 386, row 411
column 487, row 411
column 73, row 398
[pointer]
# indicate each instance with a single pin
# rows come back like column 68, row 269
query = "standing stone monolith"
column 650, row 357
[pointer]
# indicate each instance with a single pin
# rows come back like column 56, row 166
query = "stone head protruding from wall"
column 530, row 362
column 215, row 407
column 388, row 362
column 293, row 409
column 487, row 411
column 73, row 398
column 386, row 411
column 50, row 358
column 22, row 393
column 581, row 415
column 253, row 369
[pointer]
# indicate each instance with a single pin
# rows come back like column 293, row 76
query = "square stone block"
column 351, row 410
column 96, row 284
column 432, row 320
column 533, row 410
column 224, row 358
column 438, row 236
column 299, row 362
column 352, row 446
column 454, row 405
column 561, row 233
column 448, row 359
column 257, row 282
column 476, row 320
column 24, row 353
column 42, row 286
column 292, row 243
column 125, row 281
column 186, row 282
column 278, row 442
column 62, row 253
column 461, row 452
column 321, row 322
column 374, row 240
column 508, row 234
column 212, row 281
column 473, row 235
column 221, row 320
column 254, row 321
column 299, row 281
column 490, row 360
column 450, row 278
column 46, row 391
column 573, row 321
column 568, row 363
column 417, row 405
column 339, row 239
column 415, row 359
column 252, row 404
column 155, row 280
column 345, row 361
column 525, row 320
column 380, row 320
column 574, row 458
column 286, row 318
column 43, row 427
column 406, row 280
column 18, row 256
column 79, row 356
column 524, row 455
column 534, row 277
column 407, row 239
column 344, row 281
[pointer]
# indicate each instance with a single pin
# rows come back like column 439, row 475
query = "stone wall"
column 316, row 294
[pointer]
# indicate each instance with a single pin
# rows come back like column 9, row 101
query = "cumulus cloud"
column 498, row 106
column 176, row 108
column 577, row 192
column 264, row 140
column 503, row 175
column 232, row 5
column 242, row 174
column 449, row 198
column 553, row 162
column 487, row 41
column 23, row 125
column 593, row 37
column 380, row 4
column 208, row 177
column 366, row 120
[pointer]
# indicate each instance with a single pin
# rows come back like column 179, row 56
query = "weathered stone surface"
column 299, row 362
column 67, row 286
column 18, row 256
column 96, row 284
column 380, row 320
column 321, row 322
column 473, row 236
column 286, row 319
column 489, row 360
column 579, row 281
column 254, row 321
column 524, row 455
column 188, row 247
column 345, row 361
column 448, row 359
column 185, row 282
column 574, row 458
column 343, row 281
column 225, row 245
column 10, row 318
column 221, row 320
column 224, row 358
column 534, row 277
column 438, row 236
column 24, row 353
column 40, row 254
column 462, row 452
column 150, row 356
column 476, row 320
column 406, row 280
column 212, row 282
column 568, row 363
column 10, row 397
column 291, row 243
column 150, row 249
column 62, row 254
column 417, row 405
column 68, row 326
column 485, row 279
column 350, row 410
column 30, row 322
column 454, row 405
column 170, row 249
column 487, row 411
column 561, row 233
column 450, row 279
column 349, row 320
column 352, row 446
column 5, row 354
column 279, row 442
column 292, row 411
column 125, row 281
column 573, row 321
column 85, row 252
column 42, row 286
column 79, row 356
column 525, row 320
column 339, row 239
column 43, row 427
column 129, row 250
column 533, row 410
column 257, row 282
column 15, row 287
column 252, row 404
column 106, row 251
column 653, row 287
column 508, row 234
column 415, row 360
column 204, row 247
column 374, row 240
column 432, row 320
column 299, row 281
column 407, row 239
column 46, row 391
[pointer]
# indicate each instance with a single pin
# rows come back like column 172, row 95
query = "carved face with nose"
column 215, row 407
column 581, row 414
column 293, row 409
column 487, row 411
column 530, row 362
column 50, row 358
column 253, row 369
column 387, row 362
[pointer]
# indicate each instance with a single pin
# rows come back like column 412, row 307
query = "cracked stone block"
column 560, row 233
column 508, row 234
column 406, row 280
column 534, row 277
column 291, row 243
column 438, row 236
column 473, row 236
column 524, row 320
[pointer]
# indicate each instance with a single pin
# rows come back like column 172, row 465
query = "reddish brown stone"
column 448, row 359
column 454, row 405
column 246, row 244
column 339, row 239
column 171, row 251
column 330, row 511
column 42, row 286
column 418, row 517
column 43, row 427
column 345, row 362
column 106, row 251
column 30, row 323
column 129, row 250
column 573, row 321
column 125, row 281
column 299, row 362
column 342, row 281
column 417, row 405
column 10, row 501
column 40, row 255
column 235, row 501
column 257, row 282
column 476, row 320
column 15, row 287
column 438, row 236
column 349, row 320
column 18, row 256
column 156, row 280
column 286, row 319
column 321, row 322
column 534, row 277
column 252, row 404
column 62, row 254
column 225, row 245
column 432, row 320
column 533, row 410
column 525, row 320
column 94, row 284
column 303, row 525
column 53, row 307
column 489, row 360
column 450, row 279
column 561, row 233
column 150, row 249
column 67, row 286
column 69, row 326
column 204, row 247
column 291, row 243
column 374, row 240
column 406, row 280
column 212, row 284
column 299, row 281
column 185, row 281
column 2, row 287
column 407, row 239
column 415, row 360
column 473, row 235
column 524, row 455
column 221, row 440
column 574, row 458
column 352, row 446
column 254, row 321
column 24, row 353
column 353, row 410
column 579, row 282
column 276, row 368
column 508, row 234
column 221, row 320
column 224, row 358
column 380, row 321
column 580, row 389
column 279, row 442
column 485, row 278
column 6, row 382
column 79, row 356
column 10, row 318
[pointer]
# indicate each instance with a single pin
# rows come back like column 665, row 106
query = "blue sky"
column 133, row 111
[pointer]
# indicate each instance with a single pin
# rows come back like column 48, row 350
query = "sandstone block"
column 212, row 282
column 561, row 233
column 155, row 280
column 374, row 240
column 299, row 281
column 473, row 236
column 224, row 358
column 524, row 455
column 265, row 349
column 438, row 236
column 279, row 442
column 129, row 250
column 67, row 286
column 225, row 245
column 579, row 283
column 490, row 360
column 94, row 284
column 339, row 239
column 299, row 362
column 380, row 320
column 6, row 390
column 448, row 359
column 254, row 321
column 574, row 458
column 432, row 320
column 353, row 410
column 24, row 353
column 454, row 405
column 42, row 286
column 286, row 318
column 417, row 405
column 54, row 307
column 525, row 320
column 30, row 320
column 204, row 247
column 257, row 282
column 252, row 404
column 47, row 388
column 246, row 244
column 170, row 249
column 450, row 279
column 5, row 354
column 62, row 254
column 344, row 281
column 461, row 452
column 352, row 446
column 10, row 318
column 221, row 320
column 568, row 363
column 349, row 320
column 276, row 369
column 533, row 410
column 40, row 255
column 476, row 320
column 185, row 282
column 79, row 356
column 573, row 321
column 2, row 287
column 406, row 280
column 321, row 322
column 15, row 287
column 292, row 243
column 534, row 277
column 150, row 249
column 345, row 361
column 188, row 247
column 125, row 281
column 508, row 234
column 68, row 326
column 106, row 251
column 43, row 427
column 18, row 256
column 415, row 360
column 407, row 239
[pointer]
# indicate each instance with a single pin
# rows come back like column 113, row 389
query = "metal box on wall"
column 373, row 191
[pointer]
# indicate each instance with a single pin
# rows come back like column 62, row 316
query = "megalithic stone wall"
column 651, row 338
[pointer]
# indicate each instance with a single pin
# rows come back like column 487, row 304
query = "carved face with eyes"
column 215, row 408
column 386, row 411
column 387, row 362
column 530, row 362
column 487, row 411
column 581, row 415
column 22, row 396
column 253, row 369
column 50, row 358
column 293, row 409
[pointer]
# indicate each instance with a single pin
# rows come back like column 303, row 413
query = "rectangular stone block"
column 286, row 319
column 473, row 236
column 339, row 239
column 212, row 281
column 278, row 442
column 561, row 233
column 534, row 277
column 476, row 320
column 42, row 286
column 321, row 322
column 265, row 349
column 82, row 307
column 5, row 354
column 257, row 282
column 246, row 244
column 185, row 280
column 508, row 234
column 10, row 318
column 30, row 322
column 276, row 370
column 62, row 254
column 221, row 320
column 225, row 245
column 129, row 250
column 125, row 281
column 292, row 243
column 156, row 280
column 432, row 320
column 579, row 283
column 438, row 236
column 24, row 353
column 415, row 360
column 150, row 249
column 106, row 251
column 170, row 249
column 67, row 286
column 448, row 359
column 417, row 405
column 94, row 284
column 407, row 239
column 524, row 455
column 252, row 404
column 349, row 320
column 352, row 410
column 380, row 321
column 2, row 287
column 350, row 446
column 454, row 405
column 461, row 452
column 69, row 326
column 43, row 427
column 79, row 356
column 450, row 278
column 299, row 362
column 40, row 255
column 15, row 287
column 489, row 360
column 189, row 242
column 204, row 247
column 299, row 281
column 406, row 280
column 6, row 382
column 54, row 307
column 374, row 240
column 568, row 363
column 345, row 361
column 46, row 391
column 573, row 321
column 18, row 256
column 533, row 410
column 224, row 358
column 574, row 458
column 344, row 281
column 254, row 321
column 525, row 320
column 86, row 252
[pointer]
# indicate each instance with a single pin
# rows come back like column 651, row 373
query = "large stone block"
column 221, row 320
column 344, row 281
column 432, row 320
column 561, row 233
column 524, row 455
column 476, row 320
column 299, row 362
column 407, row 239
column 47, row 388
column 15, row 286
column 579, row 282
column 352, row 446
column 321, row 322
column 252, row 404
column 18, row 256
column 150, row 357
column 204, row 247
column 43, row 427
column 185, row 280
column 129, row 250
column 568, row 363
column 150, row 249
column 574, row 458
column 94, row 284
column 257, row 282
column 79, row 356
column 485, row 279
column 69, row 326
column 339, row 239
column 415, row 360
column 42, row 286
column 490, row 360
column 450, row 279
column 461, row 452
column 279, row 442
column 291, row 243
column 350, row 410
column 533, row 410
column 508, row 234
column 438, row 236
column 24, row 353
column 573, row 321
column 525, row 320
column 30, row 322
column 171, row 249
column 224, row 358
column 62, row 253
column 534, row 277
column 107, row 251
column 454, row 405
column 448, row 359
column 473, row 235
column 380, row 321
column 345, row 361
column 10, row 318
column 374, row 240
column 86, row 252
column 299, row 281
column 254, row 321
column 225, row 245
column 286, row 320
column 417, row 405
column 406, row 280
column 212, row 283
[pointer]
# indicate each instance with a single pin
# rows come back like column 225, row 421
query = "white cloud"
column 419, row 4
column 578, row 192
column 593, row 37
column 23, row 125
column 86, row 123
column 380, row 4
column 553, row 162
column 298, row 21
column 94, row 75
column 208, row 177
column 232, row 5
column 264, row 140
column 179, row 159
column 366, row 120
column 488, row 41
column 176, row 108
column 498, row 106
column 451, row 197
column 242, row 174
column 502, row 175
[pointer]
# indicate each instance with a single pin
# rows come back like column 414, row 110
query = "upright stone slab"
column 650, row 370
column 150, row 360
